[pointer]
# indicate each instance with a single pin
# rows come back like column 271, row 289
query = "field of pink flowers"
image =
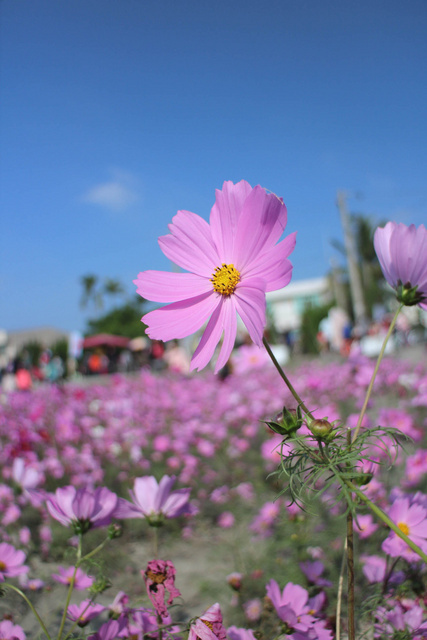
column 233, row 536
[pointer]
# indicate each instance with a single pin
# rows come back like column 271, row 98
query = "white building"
column 287, row 305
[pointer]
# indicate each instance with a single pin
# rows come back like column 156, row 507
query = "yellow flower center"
column 403, row 527
column 207, row 623
column 225, row 279
column 2, row 565
column 157, row 578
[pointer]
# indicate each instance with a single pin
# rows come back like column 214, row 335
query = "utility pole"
column 356, row 289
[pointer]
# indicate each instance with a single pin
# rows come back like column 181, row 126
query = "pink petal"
column 210, row 338
column 180, row 319
column 190, row 245
column 259, row 227
column 250, row 305
column 225, row 214
column 165, row 487
column 382, row 249
column 273, row 266
column 161, row 286
column 230, row 330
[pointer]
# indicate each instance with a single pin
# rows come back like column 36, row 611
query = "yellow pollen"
column 403, row 527
column 2, row 565
column 207, row 623
column 157, row 578
column 225, row 279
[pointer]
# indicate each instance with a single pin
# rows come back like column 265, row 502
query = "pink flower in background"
column 154, row 501
column 10, row 631
column 83, row 508
column 11, row 561
column 159, row 577
column 402, row 252
column 209, row 626
column 411, row 520
column 234, row 633
column 232, row 263
column 253, row 609
column 365, row 525
column 110, row 630
column 81, row 580
column 84, row 612
column 226, row 520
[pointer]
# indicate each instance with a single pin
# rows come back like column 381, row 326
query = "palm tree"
column 91, row 294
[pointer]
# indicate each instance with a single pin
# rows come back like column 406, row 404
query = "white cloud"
column 117, row 195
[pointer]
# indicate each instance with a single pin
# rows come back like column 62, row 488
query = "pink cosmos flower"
column 84, row 612
column 159, row 577
column 11, row 562
column 402, row 252
column 232, row 263
column 110, row 630
column 81, row 580
column 209, row 626
column 412, row 520
column 234, row 633
column 10, row 631
column 83, row 508
column 154, row 501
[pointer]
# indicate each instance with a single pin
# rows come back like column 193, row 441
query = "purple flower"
column 84, row 612
column 11, row 562
column 83, row 508
column 81, row 579
column 411, row 520
column 154, row 501
column 110, row 630
column 233, row 262
column 159, row 577
column 209, row 626
column 10, row 631
column 402, row 252
column 240, row 634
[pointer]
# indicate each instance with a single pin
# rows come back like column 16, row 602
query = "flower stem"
column 30, row 604
column 374, row 375
column 350, row 577
column 285, row 378
column 384, row 517
column 70, row 588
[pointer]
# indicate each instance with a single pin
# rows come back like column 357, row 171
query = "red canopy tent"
column 105, row 340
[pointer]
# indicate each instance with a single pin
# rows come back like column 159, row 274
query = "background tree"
column 91, row 292
column 124, row 320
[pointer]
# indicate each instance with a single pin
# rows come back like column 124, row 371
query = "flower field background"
column 210, row 434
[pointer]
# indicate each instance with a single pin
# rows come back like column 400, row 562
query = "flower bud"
column 320, row 428
column 287, row 422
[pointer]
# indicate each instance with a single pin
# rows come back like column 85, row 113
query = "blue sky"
column 114, row 114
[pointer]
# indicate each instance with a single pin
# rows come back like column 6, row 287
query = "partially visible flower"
column 411, row 520
column 226, row 520
column 84, row 612
column 209, row 626
column 81, row 579
column 84, row 509
column 11, row 561
column 253, row 609
column 313, row 572
column 119, row 605
column 365, row 526
column 110, row 630
column 402, row 252
column 154, row 501
column 235, row 580
column 159, row 577
column 10, row 631
column 234, row 633
column 233, row 262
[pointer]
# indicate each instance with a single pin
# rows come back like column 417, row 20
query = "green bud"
column 99, row 586
column 320, row 428
column 362, row 478
column 408, row 295
column 114, row 531
column 287, row 422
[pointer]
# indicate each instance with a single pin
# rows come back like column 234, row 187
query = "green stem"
column 350, row 578
column 384, row 517
column 374, row 375
column 285, row 379
column 30, row 604
column 70, row 588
